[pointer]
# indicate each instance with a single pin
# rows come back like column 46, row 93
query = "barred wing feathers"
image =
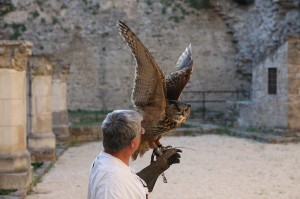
column 178, row 79
column 149, row 89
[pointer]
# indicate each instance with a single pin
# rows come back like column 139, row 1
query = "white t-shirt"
column 110, row 178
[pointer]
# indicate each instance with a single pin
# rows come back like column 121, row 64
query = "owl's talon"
column 164, row 148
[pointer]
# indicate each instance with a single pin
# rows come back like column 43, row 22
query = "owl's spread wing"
column 149, row 89
column 178, row 79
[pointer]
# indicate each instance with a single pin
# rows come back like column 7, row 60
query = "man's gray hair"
column 119, row 128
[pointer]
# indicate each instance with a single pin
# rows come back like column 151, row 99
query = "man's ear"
column 132, row 143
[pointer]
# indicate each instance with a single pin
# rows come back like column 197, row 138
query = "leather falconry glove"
column 150, row 173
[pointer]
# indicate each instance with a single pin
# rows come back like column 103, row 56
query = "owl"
column 155, row 96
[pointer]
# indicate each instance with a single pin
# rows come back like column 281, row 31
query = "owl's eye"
column 177, row 107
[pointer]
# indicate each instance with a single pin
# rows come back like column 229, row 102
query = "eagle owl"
column 154, row 95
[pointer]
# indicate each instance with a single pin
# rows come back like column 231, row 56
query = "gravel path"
column 222, row 167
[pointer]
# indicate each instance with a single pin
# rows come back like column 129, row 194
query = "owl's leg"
column 156, row 145
column 157, row 151
column 160, row 149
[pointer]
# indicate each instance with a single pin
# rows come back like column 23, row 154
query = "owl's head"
column 178, row 110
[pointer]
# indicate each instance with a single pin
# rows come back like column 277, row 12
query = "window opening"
column 272, row 81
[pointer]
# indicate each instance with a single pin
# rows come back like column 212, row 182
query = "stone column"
column 59, row 102
column 15, row 164
column 41, row 140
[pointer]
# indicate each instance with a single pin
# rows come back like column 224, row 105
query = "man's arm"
column 150, row 173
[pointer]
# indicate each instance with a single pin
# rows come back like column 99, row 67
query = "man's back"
column 110, row 178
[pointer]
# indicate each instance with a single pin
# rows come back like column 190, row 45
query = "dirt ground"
column 219, row 167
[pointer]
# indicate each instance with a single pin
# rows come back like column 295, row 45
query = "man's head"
column 119, row 128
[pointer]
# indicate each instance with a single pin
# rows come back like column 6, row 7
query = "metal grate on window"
column 272, row 81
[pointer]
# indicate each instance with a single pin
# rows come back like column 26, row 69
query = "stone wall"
column 228, row 40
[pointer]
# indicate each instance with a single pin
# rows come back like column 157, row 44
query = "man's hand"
column 150, row 173
column 169, row 157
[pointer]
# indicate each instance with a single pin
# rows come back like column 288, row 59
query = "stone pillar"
column 41, row 140
column 15, row 164
column 293, row 59
column 59, row 102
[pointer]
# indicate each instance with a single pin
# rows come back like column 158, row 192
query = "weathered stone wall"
column 227, row 41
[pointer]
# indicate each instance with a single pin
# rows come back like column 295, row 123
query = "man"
column 110, row 176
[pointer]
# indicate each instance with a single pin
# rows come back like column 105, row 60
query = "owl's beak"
column 186, row 110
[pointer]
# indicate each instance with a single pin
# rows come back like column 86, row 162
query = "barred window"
column 272, row 81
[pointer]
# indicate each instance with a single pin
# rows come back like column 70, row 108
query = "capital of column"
column 40, row 65
column 60, row 69
column 14, row 54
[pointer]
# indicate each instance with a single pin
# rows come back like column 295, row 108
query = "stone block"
column 59, row 96
column 41, row 86
column 41, row 104
column 13, row 112
column 41, row 141
column 294, row 56
column 20, row 180
column 293, row 86
column 62, row 134
column 16, row 17
column 84, row 134
column 245, row 110
column 38, row 156
column 2, row 115
column 14, row 162
column 294, row 123
column 13, row 139
column 60, row 118
column 12, row 84
column 41, row 123
column 294, row 112
column 42, row 147
column 15, row 171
